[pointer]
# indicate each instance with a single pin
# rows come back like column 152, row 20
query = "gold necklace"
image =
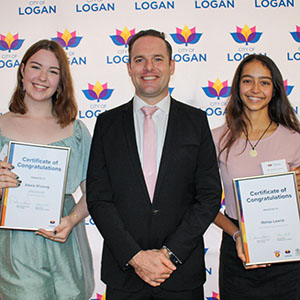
column 253, row 151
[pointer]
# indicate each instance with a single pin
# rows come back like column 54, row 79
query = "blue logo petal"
column 74, row 41
column 89, row 94
column 118, row 40
column 194, row 38
column 176, row 38
column 16, row 44
column 225, row 92
column 237, row 37
column 105, row 94
column 288, row 89
column 60, row 41
column 210, row 92
column 3, row 46
column 296, row 37
column 254, row 37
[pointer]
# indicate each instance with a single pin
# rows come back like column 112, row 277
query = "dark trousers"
column 154, row 293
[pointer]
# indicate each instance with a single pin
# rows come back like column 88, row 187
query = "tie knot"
column 149, row 110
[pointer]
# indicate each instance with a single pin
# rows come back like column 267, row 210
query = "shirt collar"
column 163, row 105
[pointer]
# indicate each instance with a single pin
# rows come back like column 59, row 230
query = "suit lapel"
column 168, row 148
column 128, row 123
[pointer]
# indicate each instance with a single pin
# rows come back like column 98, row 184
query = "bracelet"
column 76, row 216
column 237, row 232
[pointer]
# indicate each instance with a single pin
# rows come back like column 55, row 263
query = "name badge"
column 274, row 166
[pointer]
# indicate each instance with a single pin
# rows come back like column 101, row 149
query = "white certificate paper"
column 268, row 212
column 38, row 201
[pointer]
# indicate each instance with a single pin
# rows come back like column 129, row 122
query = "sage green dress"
column 35, row 268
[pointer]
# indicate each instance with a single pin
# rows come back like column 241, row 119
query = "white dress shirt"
column 160, row 119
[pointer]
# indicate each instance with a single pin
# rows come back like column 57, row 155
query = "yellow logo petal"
column 246, row 31
column 9, row 39
column 125, row 34
column 186, row 32
column 218, row 85
column 98, row 88
column 66, row 36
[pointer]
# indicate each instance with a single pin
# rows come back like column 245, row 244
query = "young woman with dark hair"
column 260, row 126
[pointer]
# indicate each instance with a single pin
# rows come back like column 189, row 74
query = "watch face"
column 173, row 259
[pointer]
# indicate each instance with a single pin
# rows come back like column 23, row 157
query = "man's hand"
column 153, row 266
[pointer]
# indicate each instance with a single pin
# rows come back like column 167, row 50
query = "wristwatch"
column 173, row 258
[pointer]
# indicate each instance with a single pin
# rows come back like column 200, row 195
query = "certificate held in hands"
column 38, row 201
column 268, row 213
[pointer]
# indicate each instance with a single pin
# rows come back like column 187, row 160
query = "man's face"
column 150, row 69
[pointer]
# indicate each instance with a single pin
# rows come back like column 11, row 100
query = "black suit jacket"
column 186, row 199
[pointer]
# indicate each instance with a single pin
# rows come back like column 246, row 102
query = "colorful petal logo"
column 122, row 38
column 100, row 297
column 186, row 36
column 10, row 42
column 97, row 92
column 296, row 34
column 217, row 89
column 215, row 296
column 288, row 88
column 67, row 39
column 246, row 35
column 223, row 200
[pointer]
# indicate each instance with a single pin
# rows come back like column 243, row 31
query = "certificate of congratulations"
column 38, row 201
column 268, row 213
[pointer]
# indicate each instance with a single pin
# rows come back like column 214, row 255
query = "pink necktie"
column 149, row 149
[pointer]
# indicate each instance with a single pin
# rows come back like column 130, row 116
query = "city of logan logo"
column 10, row 42
column 223, row 199
column 100, row 297
column 215, row 296
column 217, row 89
column 186, row 36
column 296, row 34
column 246, row 35
column 97, row 92
column 122, row 38
column 67, row 39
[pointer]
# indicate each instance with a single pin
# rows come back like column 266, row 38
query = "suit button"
column 155, row 212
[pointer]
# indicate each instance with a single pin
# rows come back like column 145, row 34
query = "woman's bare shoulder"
column 6, row 118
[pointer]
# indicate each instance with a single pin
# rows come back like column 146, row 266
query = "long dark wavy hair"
column 64, row 106
column 279, row 108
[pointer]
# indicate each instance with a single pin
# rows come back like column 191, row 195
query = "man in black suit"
column 153, row 242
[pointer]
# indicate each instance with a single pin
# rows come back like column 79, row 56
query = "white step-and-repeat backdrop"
column 209, row 39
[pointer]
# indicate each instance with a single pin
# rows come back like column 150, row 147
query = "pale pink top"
column 282, row 144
